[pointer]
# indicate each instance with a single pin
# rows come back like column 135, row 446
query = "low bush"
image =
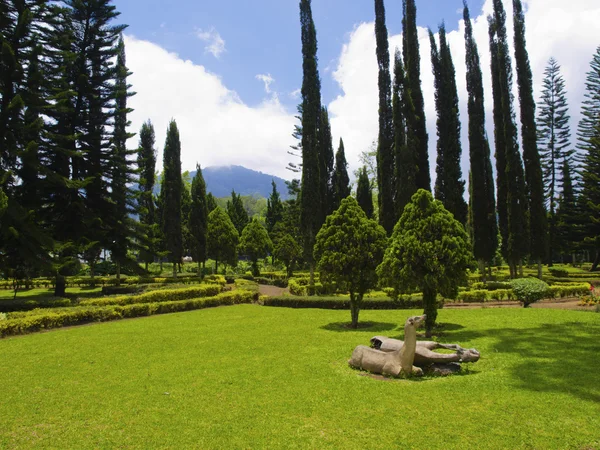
column 559, row 273
column 80, row 315
column 563, row 291
column 341, row 303
column 163, row 295
column 279, row 282
column 530, row 290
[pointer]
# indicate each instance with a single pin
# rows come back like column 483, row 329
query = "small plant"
column 530, row 290
column 3, row 316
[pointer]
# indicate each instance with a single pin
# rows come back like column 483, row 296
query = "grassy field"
column 253, row 377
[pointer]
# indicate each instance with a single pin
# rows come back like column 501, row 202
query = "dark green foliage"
column 512, row 201
column 340, row 180
column 364, row 193
column 449, row 187
column 531, row 157
column 172, row 185
column 198, row 219
column 483, row 221
column 326, row 164
column 211, row 203
column 255, row 243
column 237, row 213
column 529, row 290
column 348, row 249
column 146, row 161
column 587, row 128
column 385, row 141
column 405, row 151
column 554, row 136
column 311, row 202
column 222, row 238
column 287, row 250
column 274, row 209
column 567, row 214
column 429, row 251
column 412, row 65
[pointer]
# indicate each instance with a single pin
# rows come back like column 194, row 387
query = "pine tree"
column 449, row 188
column 482, row 199
column 146, row 161
column 311, row 202
column 274, row 209
column 385, row 142
column 531, row 156
column 590, row 111
column 341, row 180
column 554, row 136
column 567, row 220
column 405, row 151
column 364, row 193
column 171, row 196
column 513, row 225
column 412, row 64
column 237, row 213
column 198, row 219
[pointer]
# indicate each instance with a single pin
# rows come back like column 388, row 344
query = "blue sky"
column 263, row 36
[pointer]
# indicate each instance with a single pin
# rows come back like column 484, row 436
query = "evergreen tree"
column 364, row 193
column 146, row 161
column 554, row 136
column 198, row 219
column 222, row 238
column 567, row 215
column 385, row 142
column 513, row 225
column 255, row 243
column 531, row 157
column 590, row 111
column 405, row 150
column 341, row 180
column 211, row 202
column 237, row 213
column 311, row 202
column 412, row 64
column 274, row 209
column 171, row 196
column 482, row 198
column 326, row 164
column 449, row 188
column 186, row 208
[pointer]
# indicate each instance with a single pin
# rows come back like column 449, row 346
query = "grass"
column 250, row 376
column 46, row 293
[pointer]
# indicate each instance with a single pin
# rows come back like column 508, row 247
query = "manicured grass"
column 45, row 293
column 253, row 377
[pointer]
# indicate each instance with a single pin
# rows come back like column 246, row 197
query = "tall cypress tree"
column 198, row 219
column 482, row 198
column 171, row 196
column 412, row 64
column 311, row 204
column 341, row 180
column 364, row 193
column 385, row 151
column 326, row 164
column 146, row 161
column 531, row 156
column 554, row 136
column 274, row 209
column 449, row 187
column 405, row 151
column 515, row 243
column 567, row 219
column 237, row 213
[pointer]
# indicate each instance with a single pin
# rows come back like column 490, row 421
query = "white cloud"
column 215, row 126
column 296, row 94
column 215, row 43
column 267, row 79
column 554, row 29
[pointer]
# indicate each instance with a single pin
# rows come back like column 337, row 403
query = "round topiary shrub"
column 529, row 290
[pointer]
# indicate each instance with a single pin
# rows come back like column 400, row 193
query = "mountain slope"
column 221, row 180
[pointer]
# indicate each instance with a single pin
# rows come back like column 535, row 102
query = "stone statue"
column 397, row 362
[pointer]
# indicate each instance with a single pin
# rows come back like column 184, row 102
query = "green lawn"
column 252, row 377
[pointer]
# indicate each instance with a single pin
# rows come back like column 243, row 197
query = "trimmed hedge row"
column 163, row 295
column 340, row 303
column 82, row 315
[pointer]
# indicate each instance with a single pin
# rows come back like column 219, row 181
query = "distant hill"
column 221, row 180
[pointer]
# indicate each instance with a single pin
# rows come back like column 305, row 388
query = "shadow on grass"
column 371, row 327
column 560, row 358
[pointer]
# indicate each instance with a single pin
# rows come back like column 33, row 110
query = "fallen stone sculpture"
column 398, row 362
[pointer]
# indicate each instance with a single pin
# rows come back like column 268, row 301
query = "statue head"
column 415, row 321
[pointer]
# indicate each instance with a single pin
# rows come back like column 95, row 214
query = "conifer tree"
column 211, row 202
column 326, row 164
column 385, row 142
column 341, row 180
column 237, row 213
column 311, row 202
column 449, row 188
column 171, row 196
column 554, row 136
column 146, row 161
column 513, row 225
column 222, row 238
column 198, row 219
column 531, row 157
column 364, row 193
column 567, row 221
column 587, row 127
column 482, row 198
column 274, row 209
column 412, row 65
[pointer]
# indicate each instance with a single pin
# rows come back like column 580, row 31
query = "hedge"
column 82, row 315
column 340, row 303
column 162, row 295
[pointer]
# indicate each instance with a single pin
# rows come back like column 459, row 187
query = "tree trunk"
column 118, row 273
column 174, row 270
column 312, row 274
column 354, row 309
column 481, row 264
column 429, row 308
column 521, row 269
column 255, row 271
column 60, row 287
column 596, row 262
column 216, row 266
column 161, row 266
column 539, row 267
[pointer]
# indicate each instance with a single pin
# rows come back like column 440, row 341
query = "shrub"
column 162, row 295
column 530, row 290
column 341, row 303
column 559, row 273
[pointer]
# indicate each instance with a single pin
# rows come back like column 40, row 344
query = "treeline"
column 544, row 204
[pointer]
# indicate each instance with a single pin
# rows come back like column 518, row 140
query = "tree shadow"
column 554, row 357
column 371, row 327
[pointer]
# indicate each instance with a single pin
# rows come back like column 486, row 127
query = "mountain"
column 220, row 180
